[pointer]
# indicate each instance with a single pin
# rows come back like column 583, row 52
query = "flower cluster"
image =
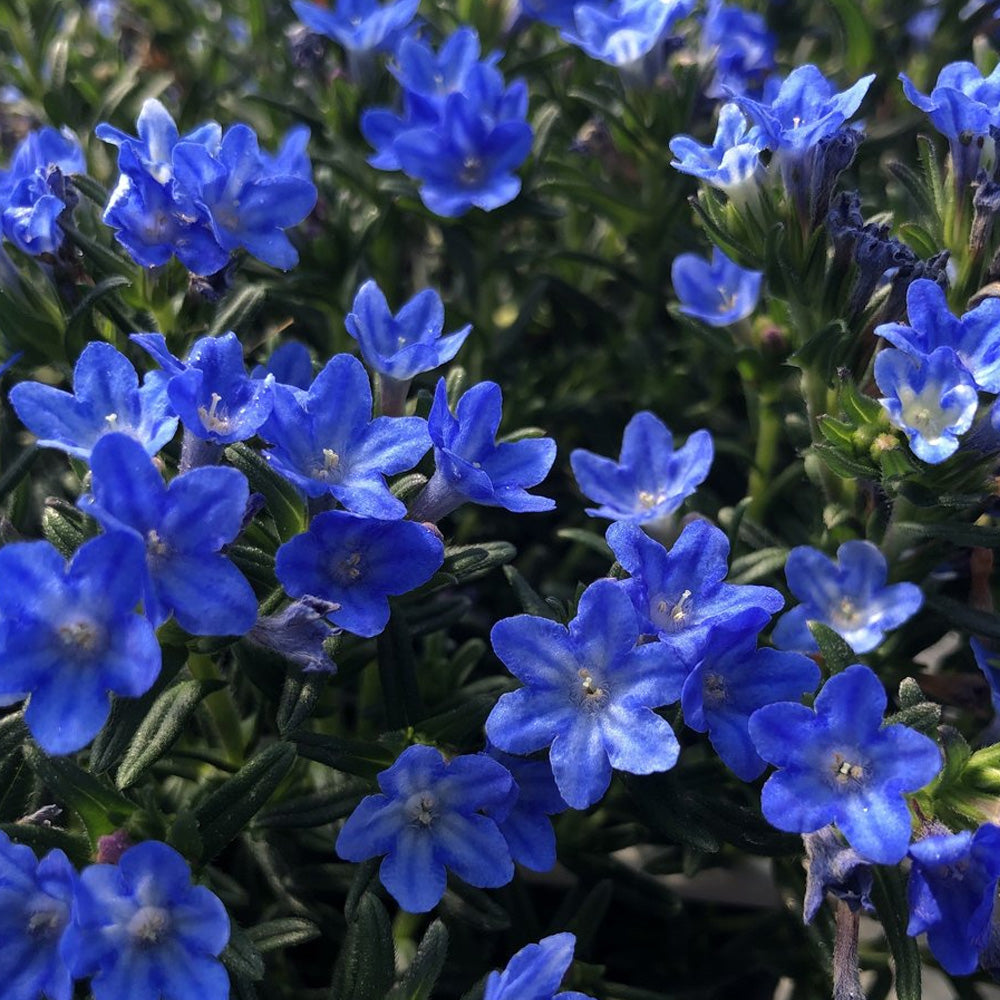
column 137, row 924
column 462, row 132
column 204, row 195
column 34, row 191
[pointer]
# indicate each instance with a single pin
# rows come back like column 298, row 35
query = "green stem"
column 765, row 454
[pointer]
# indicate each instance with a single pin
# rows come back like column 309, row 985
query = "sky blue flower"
column 298, row 633
column 35, row 901
column 850, row 595
column 731, row 163
column 467, row 158
column 718, row 292
column 679, row 594
column 141, row 929
column 557, row 13
column 623, row 31
column 357, row 563
column 359, row 25
column 732, row 680
column 590, row 694
column 952, row 890
column 803, row 110
column 740, row 46
column 248, row 205
column 931, row 398
column 326, row 442
column 429, row 819
column 535, row 972
column 70, row 635
column 524, row 818
column 975, row 337
column 962, row 106
column 407, row 344
column 470, row 465
column 650, row 480
column 33, row 191
column 839, row 764
column 210, row 390
column 106, row 397
column 182, row 526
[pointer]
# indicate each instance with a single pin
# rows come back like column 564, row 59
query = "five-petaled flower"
column 590, row 693
column 838, row 764
column 429, row 818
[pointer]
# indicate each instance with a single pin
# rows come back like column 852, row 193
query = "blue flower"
column 962, row 106
column 33, row 191
column 931, row 398
column 623, row 31
column 106, row 397
column 407, row 344
column 470, row 465
column 210, row 391
column 849, row 595
column 359, row 25
column 429, row 818
column 326, row 443
column 975, row 338
column 247, row 204
column 650, row 480
column 182, row 527
column 524, row 818
column 719, row 292
column 69, row 636
column 152, row 151
column 557, row 13
column 839, row 764
column 535, row 972
column 804, row 110
column 140, row 928
column 590, row 693
column 467, row 158
column 741, row 48
column 986, row 660
column 357, row 563
column 952, row 889
column 731, row 163
column 290, row 364
column 679, row 595
column 35, row 901
column 434, row 76
column 732, row 680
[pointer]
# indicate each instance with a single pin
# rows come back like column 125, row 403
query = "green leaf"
column 454, row 725
column 162, row 727
column 42, row 839
column 81, row 314
column 837, row 654
column 17, row 470
column 417, row 982
column 101, row 808
column 756, row 565
column 231, row 806
column 63, row 525
column 314, row 810
column 960, row 615
column 889, row 897
column 282, row 499
column 127, row 714
column 367, row 961
column 241, row 957
column 299, row 695
column 859, row 40
column 473, row 907
column 527, row 597
column 966, row 535
column 238, row 309
column 397, row 671
column 351, row 756
column 469, row 562
column 672, row 811
column 285, row 932
column 838, row 432
column 843, row 465
column 590, row 539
